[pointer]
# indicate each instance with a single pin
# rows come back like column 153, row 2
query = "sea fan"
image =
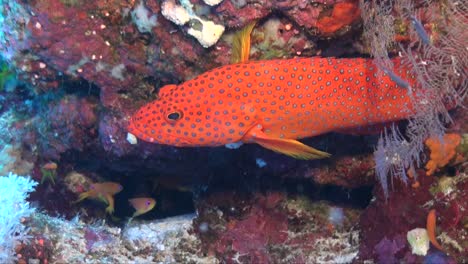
column 393, row 156
column 439, row 65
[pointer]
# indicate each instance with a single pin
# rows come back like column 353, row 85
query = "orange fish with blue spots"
column 273, row 103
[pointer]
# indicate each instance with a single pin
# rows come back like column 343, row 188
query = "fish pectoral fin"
column 290, row 147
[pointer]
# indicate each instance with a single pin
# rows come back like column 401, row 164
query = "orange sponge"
column 343, row 14
column 442, row 151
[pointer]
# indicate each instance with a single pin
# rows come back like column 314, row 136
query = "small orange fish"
column 142, row 205
column 103, row 191
column 275, row 102
column 50, row 166
column 49, row 172
column 431, row 227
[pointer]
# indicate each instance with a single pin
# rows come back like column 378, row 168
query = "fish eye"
column 174, row 116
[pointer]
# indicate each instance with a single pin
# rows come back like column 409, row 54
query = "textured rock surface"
column 274, row 228
column 162, row 241
column 406, row 209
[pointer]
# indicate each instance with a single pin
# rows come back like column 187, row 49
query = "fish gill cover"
column 439, row 64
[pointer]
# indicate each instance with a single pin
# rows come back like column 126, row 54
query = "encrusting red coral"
column 343, row 14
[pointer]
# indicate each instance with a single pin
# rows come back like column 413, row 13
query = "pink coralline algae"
column 39, row 248
column 93, row 237
column 405, row 209
column 68, row 124
column 306, row 14
column 271, row 228
column 81, row 41
column 251, row 236
column 346, row 171
column 112, row 135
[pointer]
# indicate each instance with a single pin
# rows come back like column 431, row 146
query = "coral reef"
column 59, row 240
column 406, row 209
column 72, row 73
column 275, row 228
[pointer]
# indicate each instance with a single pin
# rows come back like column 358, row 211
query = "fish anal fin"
column 110, row 202
column 289, row 147
column 241, row 43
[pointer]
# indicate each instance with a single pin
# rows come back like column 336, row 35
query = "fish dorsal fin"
column 241, row 43
column 290, row 147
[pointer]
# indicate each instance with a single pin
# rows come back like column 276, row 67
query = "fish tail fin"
column 241, row 43
column 136, row 213
column 110, row 209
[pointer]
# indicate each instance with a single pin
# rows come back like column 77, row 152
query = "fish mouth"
column 132, row 129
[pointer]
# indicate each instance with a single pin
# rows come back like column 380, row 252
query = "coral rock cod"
column 275, row 102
